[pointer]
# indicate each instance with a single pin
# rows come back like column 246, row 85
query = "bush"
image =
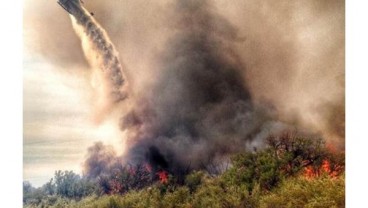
column 70, row 185
column 250, row 169
column 301, row 192
column 193, row 180
column 179, row 198
column 272, row 177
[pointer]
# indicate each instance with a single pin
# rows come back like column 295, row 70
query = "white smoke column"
column 108, row 78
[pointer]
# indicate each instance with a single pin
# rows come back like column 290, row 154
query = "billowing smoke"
column 108, row 78
column 100, row 159
column 210, row 78
column 200, row 108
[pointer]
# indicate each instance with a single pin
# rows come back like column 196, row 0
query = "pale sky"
column 58, row 111
column 57, row 121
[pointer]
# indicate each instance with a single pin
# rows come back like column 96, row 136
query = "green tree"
column 70, row 185
column 28, row 189
column 254, row 168
column 284, row 156
column 49, row 188
column 296, row 152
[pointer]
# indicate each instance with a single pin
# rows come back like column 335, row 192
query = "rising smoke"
column 200, row 108
column 220, row 76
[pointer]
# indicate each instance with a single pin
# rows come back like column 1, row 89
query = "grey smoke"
column 100, row 159
column 200, row 107
column 293, row 50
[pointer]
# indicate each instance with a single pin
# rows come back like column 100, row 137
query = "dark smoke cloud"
column 101, row 160
column 200, row 107
column 229, row 74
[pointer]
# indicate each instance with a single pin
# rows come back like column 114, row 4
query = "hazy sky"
column 293, row 52
column 57, row 121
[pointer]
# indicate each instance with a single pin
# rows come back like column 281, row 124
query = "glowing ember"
column 309, row 172
column 163, row 176
column 326, row 166
column 325, row 169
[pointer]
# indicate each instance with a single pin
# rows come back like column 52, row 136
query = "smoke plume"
column 208, row 78
column 200, row 108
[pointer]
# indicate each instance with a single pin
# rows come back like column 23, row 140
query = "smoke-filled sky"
column 286, row 56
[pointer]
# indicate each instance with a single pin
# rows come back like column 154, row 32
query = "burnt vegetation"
column 289, row 165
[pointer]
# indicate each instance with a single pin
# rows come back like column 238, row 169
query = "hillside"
column 289, row 172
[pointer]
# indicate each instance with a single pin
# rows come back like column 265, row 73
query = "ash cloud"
column 294, row 57
column 200, row 107
column 220, row 87
column 101, row 159
column 213, row 77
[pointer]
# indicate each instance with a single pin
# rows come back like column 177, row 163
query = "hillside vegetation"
column 290, row 172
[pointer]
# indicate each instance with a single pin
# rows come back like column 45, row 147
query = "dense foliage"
column 290, row 172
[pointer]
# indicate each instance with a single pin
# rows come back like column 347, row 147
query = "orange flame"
column 163, row 176
column 325, row 168
column 309, row 172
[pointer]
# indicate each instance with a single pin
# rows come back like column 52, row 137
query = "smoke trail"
column 108, row 78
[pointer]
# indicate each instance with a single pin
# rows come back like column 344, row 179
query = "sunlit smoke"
column 225, row 79
column 293, row 51
column 107, row 79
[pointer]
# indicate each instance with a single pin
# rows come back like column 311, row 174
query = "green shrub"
column 269, row 178
column 180, row 198
column 301, row 192
column 193, row 180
